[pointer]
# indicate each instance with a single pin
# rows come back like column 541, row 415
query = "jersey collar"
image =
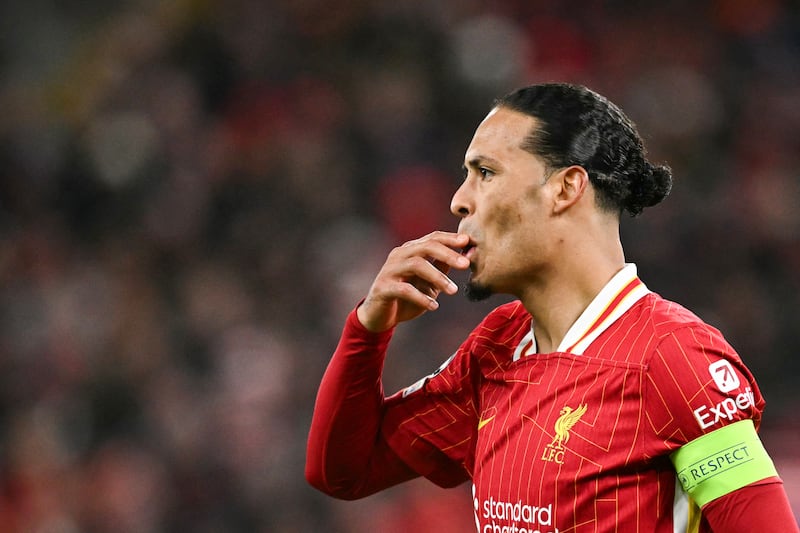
column 617, row 297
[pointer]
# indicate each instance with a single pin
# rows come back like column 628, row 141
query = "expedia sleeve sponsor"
column 727, row 409
column 722, row 461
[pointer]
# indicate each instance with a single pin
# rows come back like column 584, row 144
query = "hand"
column 411, row 279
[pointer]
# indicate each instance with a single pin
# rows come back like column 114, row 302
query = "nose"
column 461, row 205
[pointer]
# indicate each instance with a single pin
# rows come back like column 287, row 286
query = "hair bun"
column 650, row 187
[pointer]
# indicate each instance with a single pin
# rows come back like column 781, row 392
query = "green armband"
column 722, row 461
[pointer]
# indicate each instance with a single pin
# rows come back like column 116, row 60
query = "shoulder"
column 668, row 319
column 697, row 379
column 689, row 350
column 656, row 327
column 504, row 320
column 507, row 310
column 495, row 336
column 684, row 343
column 500, row 330
column 667, row 315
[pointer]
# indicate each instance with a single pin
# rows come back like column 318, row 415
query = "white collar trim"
column 616, row 298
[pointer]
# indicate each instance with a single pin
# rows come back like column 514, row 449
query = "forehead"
column 500, row 135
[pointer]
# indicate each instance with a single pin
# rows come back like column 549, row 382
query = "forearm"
column 347, row 456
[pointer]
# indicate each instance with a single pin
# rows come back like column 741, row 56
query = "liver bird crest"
column 565, row 422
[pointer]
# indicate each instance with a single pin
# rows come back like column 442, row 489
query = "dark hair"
column 579, row 127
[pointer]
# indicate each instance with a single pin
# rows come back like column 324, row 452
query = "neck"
column 559, row 297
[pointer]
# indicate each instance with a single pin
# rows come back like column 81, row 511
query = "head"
column 577, row 126
column 546, row 164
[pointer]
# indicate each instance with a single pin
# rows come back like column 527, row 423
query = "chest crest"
column 554, row 451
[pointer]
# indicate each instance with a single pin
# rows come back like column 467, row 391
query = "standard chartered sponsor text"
column 526, row 518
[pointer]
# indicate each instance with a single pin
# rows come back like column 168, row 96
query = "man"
column 588, row 404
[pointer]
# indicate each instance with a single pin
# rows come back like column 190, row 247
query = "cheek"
column 509, row 218
column 520, row 235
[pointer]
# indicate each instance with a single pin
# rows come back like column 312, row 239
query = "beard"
column 477, row 292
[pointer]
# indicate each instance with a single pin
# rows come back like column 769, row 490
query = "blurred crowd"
column 194, row 193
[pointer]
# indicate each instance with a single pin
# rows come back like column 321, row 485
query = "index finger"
column 448, row 238
column 443, row 248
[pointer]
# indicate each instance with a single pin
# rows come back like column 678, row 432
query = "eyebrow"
column 478, row 160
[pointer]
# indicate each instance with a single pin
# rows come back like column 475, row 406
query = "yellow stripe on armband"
column 722, row 461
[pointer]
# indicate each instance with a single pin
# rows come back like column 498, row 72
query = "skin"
column 537, row 235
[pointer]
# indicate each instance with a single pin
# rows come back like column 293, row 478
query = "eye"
column 485, row 173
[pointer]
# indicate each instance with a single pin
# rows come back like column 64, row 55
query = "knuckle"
column 413, row 242
column 418, row 262
column 406, row 291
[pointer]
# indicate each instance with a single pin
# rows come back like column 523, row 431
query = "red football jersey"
column 575, row 441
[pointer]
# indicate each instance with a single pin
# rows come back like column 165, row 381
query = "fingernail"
column 453, row 288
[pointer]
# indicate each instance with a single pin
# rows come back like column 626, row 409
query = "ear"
column 571, row 184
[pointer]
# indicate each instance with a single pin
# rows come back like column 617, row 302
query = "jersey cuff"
column 722, row 461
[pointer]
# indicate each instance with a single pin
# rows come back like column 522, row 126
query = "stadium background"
column 194, row 193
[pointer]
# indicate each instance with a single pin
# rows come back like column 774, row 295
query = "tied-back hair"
column 577, row 126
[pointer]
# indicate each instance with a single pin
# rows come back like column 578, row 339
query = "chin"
column 476, row 292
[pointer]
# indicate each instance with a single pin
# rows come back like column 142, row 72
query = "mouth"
column 469, row 250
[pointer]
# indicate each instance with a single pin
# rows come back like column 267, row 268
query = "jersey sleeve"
column 431, row 424
column 361, row 442
column 695, row 384
column 346, row 458
column 750, row 508
column 704, row 408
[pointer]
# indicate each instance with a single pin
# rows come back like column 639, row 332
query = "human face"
column 503, row 204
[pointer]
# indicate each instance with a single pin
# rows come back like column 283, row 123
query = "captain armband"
column 722, row 461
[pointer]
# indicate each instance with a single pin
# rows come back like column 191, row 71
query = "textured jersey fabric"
column 577, row 440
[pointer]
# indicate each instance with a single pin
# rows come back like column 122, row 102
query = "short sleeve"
column 696, row 383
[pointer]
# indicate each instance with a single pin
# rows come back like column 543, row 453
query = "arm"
column 751, row 509
column 729, row 473
column 347, row 455
column 718, row 456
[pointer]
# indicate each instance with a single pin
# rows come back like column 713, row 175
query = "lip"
column 469, row 250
